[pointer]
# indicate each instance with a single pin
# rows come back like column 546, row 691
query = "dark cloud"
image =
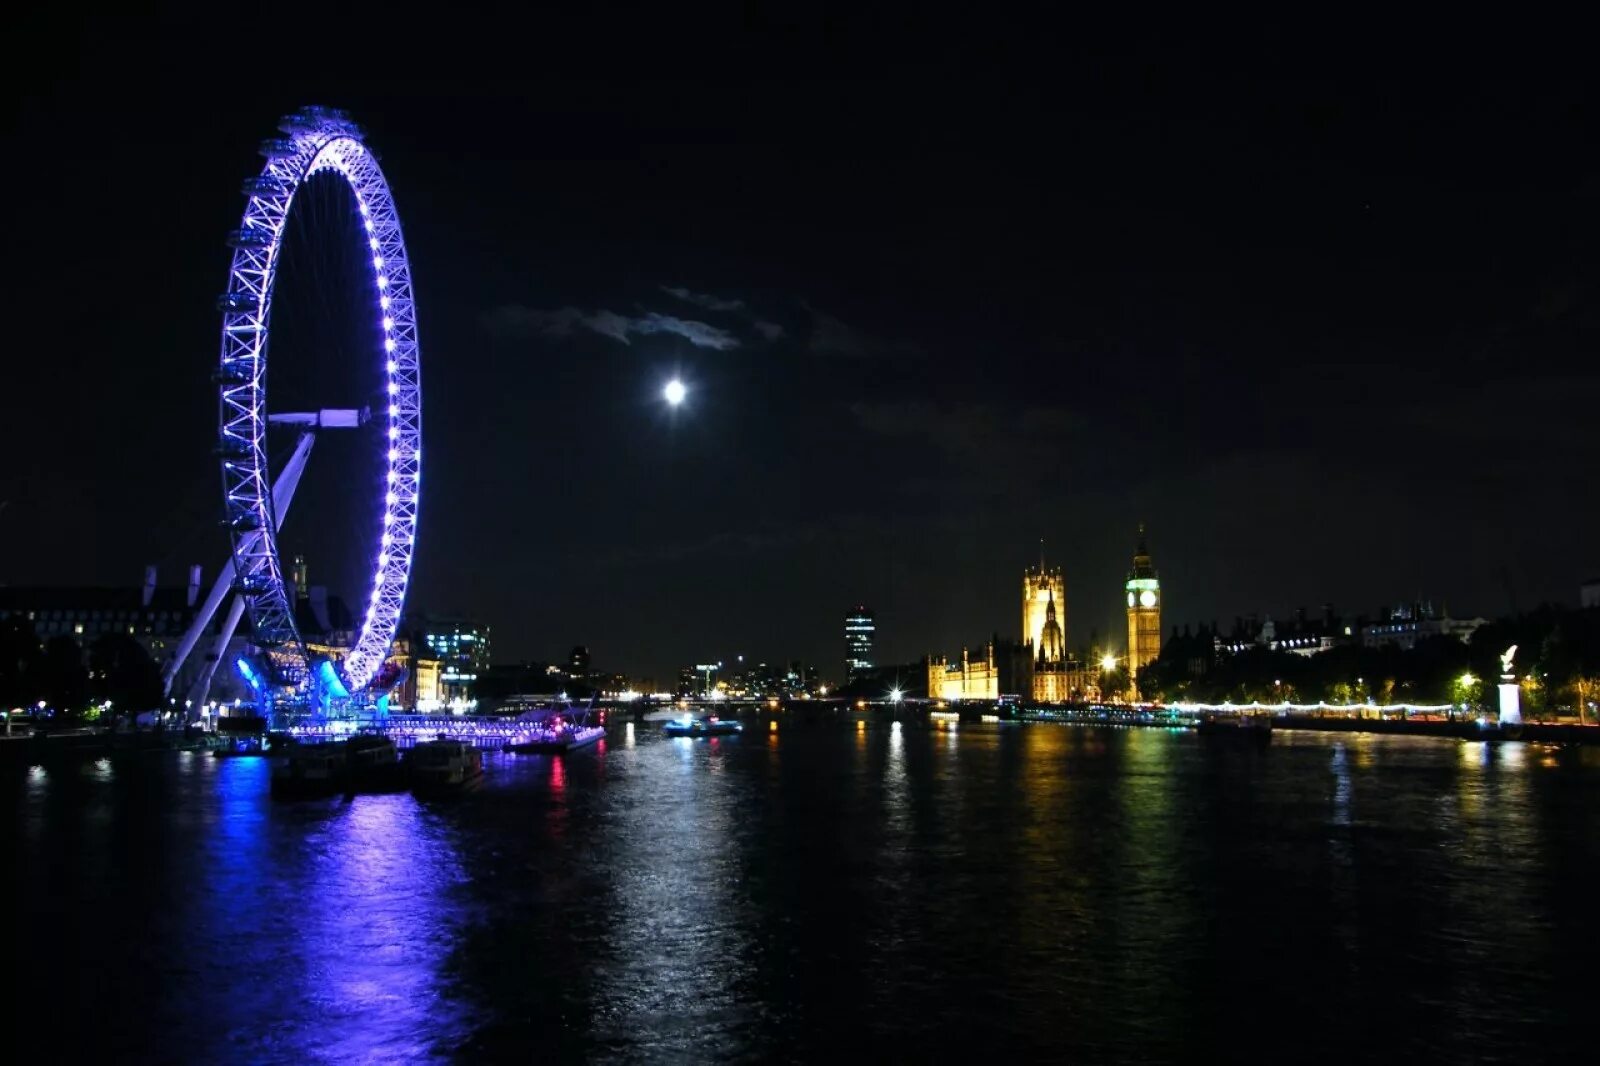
column 700, row 334
column 515, row 320
column 701, row 299
column 834, row 338
column 769, row 331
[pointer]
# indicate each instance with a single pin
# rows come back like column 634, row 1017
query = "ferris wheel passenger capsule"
column 262, row 186
column 274, row 148
column 251, row 238
column 232, row 372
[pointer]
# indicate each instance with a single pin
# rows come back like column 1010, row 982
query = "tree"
column 121, row 671
column 63, row 681
column 19, row 664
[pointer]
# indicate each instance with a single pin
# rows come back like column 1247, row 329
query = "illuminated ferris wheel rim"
column 316, row 140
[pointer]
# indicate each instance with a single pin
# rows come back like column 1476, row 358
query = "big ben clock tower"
column 1144, row 611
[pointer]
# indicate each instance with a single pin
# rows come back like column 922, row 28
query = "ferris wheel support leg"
column 282, row 493
column 202, row 620
column 196, row 703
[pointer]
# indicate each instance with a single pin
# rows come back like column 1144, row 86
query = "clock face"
column 1147, row 598
column 1130, row 599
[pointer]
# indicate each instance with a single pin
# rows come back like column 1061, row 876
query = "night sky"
column 1327, row 327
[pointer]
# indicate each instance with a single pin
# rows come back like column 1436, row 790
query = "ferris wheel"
column 314, row 141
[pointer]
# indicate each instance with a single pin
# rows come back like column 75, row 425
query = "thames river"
column 822, row 892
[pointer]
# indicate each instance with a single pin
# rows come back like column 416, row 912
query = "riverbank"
column 31, row 749
column 1460, row 730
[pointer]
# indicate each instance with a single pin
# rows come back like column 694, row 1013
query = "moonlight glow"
column 675, row 392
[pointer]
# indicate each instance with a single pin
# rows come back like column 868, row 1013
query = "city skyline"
column 511, row 542
column 900, row 371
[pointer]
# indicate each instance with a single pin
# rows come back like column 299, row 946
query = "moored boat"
column 372, row 764
column 1256, row 727
column 244, row 748
column 707, row 726
column 309, row 771
column 443, row 766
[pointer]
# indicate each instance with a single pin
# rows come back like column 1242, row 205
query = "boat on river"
column 1249, row 727
column 705, row 726
column 444, row 767
column 555, row 730
column 372, row 764
column 309, row 771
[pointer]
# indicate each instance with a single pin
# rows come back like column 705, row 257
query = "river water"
column 822, row 892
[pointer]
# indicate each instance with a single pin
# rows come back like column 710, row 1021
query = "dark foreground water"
column 822, row 893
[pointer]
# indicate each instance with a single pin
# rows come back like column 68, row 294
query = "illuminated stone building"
column 1050, row 669
column 966, row 680
column 425, row 688
column 1144, row 611
column 1041, row 588
column 1049, row 673
column 1405, row 625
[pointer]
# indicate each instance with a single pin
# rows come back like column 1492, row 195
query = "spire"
column 1142, row 567
column 1050, row 608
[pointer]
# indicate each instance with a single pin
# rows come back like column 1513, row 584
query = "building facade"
column 1144, row 611
column 155, row 617
column 1301, row 634
column 1042, row 587
column 966, row 680
column 1409, row 623
column 860, row 630
column 462, row 648
column 1051, row 681
column 1047, row 665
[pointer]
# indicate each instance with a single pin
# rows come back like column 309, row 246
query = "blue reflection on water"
column 896, row 891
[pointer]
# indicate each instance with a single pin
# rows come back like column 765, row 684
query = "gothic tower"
column 1039, row 588
column 1144, row 611
column 1050, row 659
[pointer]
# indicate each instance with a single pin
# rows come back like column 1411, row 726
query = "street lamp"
column 1466, row 681
column 1108, row 663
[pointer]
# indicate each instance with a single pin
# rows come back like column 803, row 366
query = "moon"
column 675, row 392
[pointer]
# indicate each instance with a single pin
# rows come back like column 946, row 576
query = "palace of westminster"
column 1039, row 663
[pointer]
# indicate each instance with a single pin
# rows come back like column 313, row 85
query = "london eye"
column 314, row 141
